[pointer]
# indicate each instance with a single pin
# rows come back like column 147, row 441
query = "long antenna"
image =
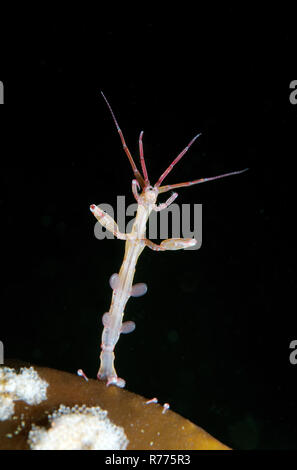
column 137, row 174
column 163, row 189
column 177, row 159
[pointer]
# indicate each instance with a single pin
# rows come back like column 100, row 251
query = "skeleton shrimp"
column 136, row 241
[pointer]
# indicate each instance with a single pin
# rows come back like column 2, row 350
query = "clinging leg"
column 171, row 244
column 178, row 243
column 153, row 246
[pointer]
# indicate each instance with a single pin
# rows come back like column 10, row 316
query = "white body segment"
column 123, row 283
column 111, row 333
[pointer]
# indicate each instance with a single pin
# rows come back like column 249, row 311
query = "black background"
column 213, row 332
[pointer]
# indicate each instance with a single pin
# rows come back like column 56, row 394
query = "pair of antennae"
column 144, row 180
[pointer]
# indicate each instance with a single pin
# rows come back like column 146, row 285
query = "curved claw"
column 169, row 201
column 107, row 222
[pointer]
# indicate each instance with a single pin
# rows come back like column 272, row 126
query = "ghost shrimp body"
column 135, row 242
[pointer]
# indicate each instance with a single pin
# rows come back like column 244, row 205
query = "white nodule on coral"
column 78, row 428
column 25, row 385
